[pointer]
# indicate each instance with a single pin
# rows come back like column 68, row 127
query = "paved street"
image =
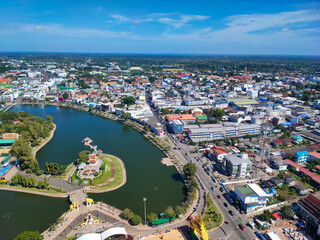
column 225, row 231
column 55, row 182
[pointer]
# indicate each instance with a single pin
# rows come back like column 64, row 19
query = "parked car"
column 230, row 212
column 241, row 227
column 219, row 196
column 212, row 188
column 225, row 204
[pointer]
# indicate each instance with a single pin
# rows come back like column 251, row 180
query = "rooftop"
column 246, row 191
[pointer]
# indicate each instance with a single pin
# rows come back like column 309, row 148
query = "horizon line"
column 172, row 54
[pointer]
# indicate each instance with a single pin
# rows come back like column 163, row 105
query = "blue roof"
column 286, row 124
column 302, row 153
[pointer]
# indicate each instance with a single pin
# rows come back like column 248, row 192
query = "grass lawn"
column 75, row 177
column 303, row 182
column 105, row 176
column 212, row 217
column 118, row 174
column 67, row 170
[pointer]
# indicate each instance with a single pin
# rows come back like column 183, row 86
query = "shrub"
column 39, row 172
column 135, row 220
column 29, row 171
column 96, row 174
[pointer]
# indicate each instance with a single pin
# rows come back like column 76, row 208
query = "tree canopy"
column 128, row 100
column 29, row 235
column 83, row 156
column 190, row 169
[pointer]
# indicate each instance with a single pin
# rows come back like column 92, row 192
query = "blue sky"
column 282, row 27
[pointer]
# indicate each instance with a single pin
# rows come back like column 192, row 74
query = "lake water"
column 146, row 176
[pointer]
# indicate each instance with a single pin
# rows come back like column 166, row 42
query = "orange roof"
column 173, row 117
column 92, row 161
column 4, row 80
column 81, row 96
column 110, row 83
column 218, row 150
column 187, row 117
column 315, row 154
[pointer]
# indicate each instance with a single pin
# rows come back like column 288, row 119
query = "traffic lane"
column 206, row 181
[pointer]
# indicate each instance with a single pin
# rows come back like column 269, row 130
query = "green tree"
column 177, row 111
column 135, row 220
column 83, row 156
column 126, row 115
column 190, row 169
column 127, row 213
column 128, row 100
column 29, row 235
column 146, row 128
column 287, row 212
column 265, row 216
column 49, row 118
column 22, row 151
column 65, row 96
column 169, row 212
column 151, row 217
column 179, row 210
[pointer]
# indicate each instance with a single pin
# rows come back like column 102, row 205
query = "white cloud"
column 39, row 28
column 120, row 18
column 182, row 21
column 67, row 31
column 177, row 22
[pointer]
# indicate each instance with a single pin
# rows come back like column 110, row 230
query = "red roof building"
column 306, row 172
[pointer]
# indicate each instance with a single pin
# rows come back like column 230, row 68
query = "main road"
column 229, row 231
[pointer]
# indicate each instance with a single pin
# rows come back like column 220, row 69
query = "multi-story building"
column 252, row 196
column 177, row 126
column 301, row 157
column 210, row 132
column 238, row 165
column 309, row 209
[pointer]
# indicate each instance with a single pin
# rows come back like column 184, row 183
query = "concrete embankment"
column 13, row 189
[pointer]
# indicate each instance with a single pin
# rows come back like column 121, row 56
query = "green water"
column 146, row 176
column 21, row 211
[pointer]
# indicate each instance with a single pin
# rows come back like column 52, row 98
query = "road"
column 225, row 231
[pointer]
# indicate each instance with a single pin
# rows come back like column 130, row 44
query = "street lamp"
column 145, row 211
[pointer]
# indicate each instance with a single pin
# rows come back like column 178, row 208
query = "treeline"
column 55, row 168
column 31, row 131
column 31, row 128
column 29, row 182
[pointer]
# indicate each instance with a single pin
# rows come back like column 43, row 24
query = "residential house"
column 297, row 139
column 277, row 142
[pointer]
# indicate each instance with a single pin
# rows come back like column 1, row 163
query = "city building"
column 238, row 165
column 301, row 157
column 177, row 126
column 309, row 210
column 252, row 197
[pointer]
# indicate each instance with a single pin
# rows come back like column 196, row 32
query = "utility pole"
column 145, row 210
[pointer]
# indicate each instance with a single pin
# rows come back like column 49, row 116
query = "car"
column 212, row 188
column 225, row 204
column 241, row 227
column 221, row 189
column 230, row 212
column 219, row 196
column 186, row 154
